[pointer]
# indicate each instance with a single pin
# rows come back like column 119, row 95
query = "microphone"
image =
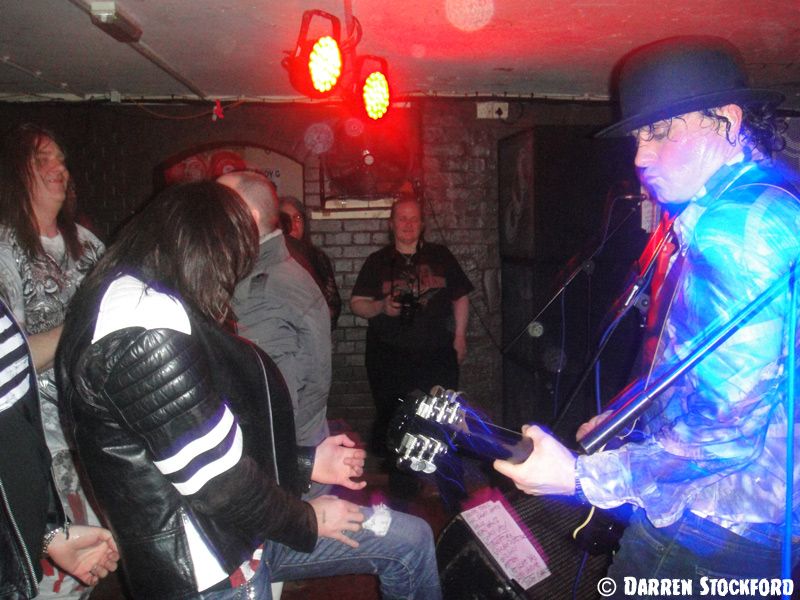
column 634, row 197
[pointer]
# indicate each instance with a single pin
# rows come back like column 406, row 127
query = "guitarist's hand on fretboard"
column 550, row 468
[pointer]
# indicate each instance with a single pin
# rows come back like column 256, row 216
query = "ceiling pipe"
column 154, row 58
column 348, row 18
column 37, row 74
column 150, row 55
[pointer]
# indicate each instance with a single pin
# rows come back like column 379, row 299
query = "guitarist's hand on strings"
column 550, row 468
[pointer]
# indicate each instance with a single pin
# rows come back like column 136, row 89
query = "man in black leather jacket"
column 186, row 433
column 32, row 521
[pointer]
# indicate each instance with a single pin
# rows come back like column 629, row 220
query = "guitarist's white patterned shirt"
column 717, row 437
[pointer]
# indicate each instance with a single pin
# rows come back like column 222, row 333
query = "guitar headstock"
column 441, row 406
column 419, row 452
column 427, row 428
column 422, row 429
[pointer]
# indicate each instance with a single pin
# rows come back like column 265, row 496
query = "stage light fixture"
column 325, row 64
column 374, row 85
column 315, row 66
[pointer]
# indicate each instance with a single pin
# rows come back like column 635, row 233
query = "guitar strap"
column 664, row 288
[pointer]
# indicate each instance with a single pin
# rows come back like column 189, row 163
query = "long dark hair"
column 17, row 150
column 197, row 239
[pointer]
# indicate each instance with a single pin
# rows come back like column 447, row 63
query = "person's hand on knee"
column 335, row 517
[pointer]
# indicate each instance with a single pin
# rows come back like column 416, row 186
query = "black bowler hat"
column 679, row 75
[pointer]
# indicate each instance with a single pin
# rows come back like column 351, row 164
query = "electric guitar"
column 428, row 429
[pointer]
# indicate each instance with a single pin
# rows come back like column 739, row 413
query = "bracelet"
column 51, row 535
column 48, row 538
column 579, row 495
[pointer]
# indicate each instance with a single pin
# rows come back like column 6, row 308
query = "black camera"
column 408, row 306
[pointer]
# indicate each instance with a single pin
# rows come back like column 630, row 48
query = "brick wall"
column 458, row 173
column 114, row 150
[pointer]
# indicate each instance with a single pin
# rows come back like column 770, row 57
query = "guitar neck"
column 487, row 440
column 428, row 427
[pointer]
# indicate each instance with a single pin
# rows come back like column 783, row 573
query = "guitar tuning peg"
column 455, row 396
column 418, row 465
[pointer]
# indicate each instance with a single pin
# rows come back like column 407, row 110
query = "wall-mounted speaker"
column 369, row 159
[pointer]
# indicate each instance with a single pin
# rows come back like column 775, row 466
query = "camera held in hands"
column 408, row 306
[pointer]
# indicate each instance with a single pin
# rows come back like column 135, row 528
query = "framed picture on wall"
column 515, row 185
column 209, row 162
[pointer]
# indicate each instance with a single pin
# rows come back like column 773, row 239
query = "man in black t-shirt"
column 414, row 294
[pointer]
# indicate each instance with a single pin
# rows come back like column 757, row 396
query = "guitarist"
column 709, row 480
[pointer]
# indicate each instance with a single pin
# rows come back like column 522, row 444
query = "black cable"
column 578, row 575
column 561, row 353
column 473, row 310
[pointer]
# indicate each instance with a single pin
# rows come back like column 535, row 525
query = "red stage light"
column 325, row 64
column 315, row 66
column 376, row 95
column 374, row 87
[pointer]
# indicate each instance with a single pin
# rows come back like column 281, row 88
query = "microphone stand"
column 628, row 300
column 584, row 266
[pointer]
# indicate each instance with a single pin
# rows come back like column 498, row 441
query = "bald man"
column 282, row 310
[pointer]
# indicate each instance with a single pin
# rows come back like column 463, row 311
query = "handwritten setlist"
column 510, row 547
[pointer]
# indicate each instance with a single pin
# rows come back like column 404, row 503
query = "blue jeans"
column 404, row 560
column 258, row 588
column 690, row 549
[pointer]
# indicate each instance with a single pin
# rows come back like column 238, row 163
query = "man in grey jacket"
column 280, row 308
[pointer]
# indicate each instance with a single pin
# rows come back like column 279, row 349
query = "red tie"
column 665, row 240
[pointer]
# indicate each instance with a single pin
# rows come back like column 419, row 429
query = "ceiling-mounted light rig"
column 320, row 66
column 315, row 66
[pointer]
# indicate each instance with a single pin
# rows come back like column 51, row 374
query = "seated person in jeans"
column 186, row 431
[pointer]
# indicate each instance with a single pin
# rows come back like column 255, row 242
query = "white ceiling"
column 232, row 49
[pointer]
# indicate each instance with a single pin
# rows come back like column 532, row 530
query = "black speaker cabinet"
column 559, row 202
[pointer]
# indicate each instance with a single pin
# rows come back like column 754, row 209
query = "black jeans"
column 394, row 372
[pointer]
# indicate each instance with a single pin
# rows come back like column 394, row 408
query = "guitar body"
column 428, row 431
column 602, row 529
